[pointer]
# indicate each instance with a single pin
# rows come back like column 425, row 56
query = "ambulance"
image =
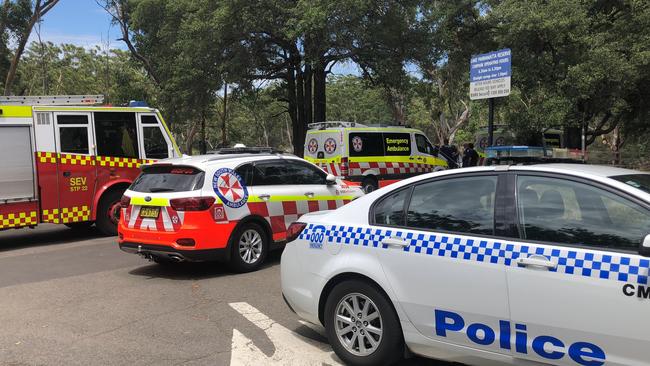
column 372, row 155
column 232, row 206
column 68, row 160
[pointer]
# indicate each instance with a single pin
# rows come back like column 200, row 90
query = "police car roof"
column 201, row 161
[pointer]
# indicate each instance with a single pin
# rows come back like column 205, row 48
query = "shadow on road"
column 190, row 271
column 42, row 236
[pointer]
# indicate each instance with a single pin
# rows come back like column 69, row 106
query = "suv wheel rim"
column 358, row 324
column 250, row 246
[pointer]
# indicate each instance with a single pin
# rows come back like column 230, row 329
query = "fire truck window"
column 116, row 134
column 155, row 146
column 73, row 140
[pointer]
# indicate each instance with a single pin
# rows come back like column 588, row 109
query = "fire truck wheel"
column 249, row 245
column 108, row 213
column 369, row 184
column 80, row 225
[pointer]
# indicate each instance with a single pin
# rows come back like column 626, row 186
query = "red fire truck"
column 67, row 159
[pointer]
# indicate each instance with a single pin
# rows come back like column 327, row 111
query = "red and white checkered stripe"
column 279, row 214
column 331, row 168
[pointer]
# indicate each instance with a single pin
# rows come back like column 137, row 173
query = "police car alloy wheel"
column 249, row 245
column 362, row 326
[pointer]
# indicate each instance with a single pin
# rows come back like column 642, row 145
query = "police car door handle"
column 265, row 197
column 536, row 261
column 395, row 242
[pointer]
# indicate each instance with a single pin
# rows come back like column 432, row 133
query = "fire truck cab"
column 66, row 160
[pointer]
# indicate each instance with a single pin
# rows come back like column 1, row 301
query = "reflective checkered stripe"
column 168, row 219
column 47, row 157
column 74, row 214
column 18, row 219
column 582, row 263
column 50, row 216
column 76, row 159
column 111, row 161
column 358, row 168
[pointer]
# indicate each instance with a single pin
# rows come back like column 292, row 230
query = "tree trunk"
column 308, row 95
column 291, row 99
column 224, row 135
column 202, row 146
column 299, row 127
column 40, row 9
column 320, row 102
column 190, row 138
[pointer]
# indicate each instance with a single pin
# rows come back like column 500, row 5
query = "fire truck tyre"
column 80, row 225
column 362, row 326
column 108, row 213
column 249, row 245
column 369, row 184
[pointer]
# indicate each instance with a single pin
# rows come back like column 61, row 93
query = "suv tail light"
column 294, row 230
column 192, row 203
column 345, row 168
column 125, row 201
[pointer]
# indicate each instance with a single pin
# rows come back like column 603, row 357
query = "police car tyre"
column 104, row 223
column 249, row 245
column 369, row 184
column 356, row 310
column 80, row 225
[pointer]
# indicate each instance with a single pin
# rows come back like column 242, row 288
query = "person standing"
column 470, row 156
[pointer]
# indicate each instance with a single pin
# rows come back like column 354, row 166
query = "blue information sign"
column 490, row 73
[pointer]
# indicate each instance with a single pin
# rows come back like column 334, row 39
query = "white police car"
column 522, row 265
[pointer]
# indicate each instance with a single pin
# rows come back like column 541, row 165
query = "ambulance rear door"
column 75, row 146
column 326, row 148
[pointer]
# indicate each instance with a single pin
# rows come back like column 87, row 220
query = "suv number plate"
column 149, row 212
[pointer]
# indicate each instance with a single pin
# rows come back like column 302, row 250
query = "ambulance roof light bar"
column 52, row 100
column 333, row 124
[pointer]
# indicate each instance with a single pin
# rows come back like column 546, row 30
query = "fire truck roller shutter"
column 16, row 173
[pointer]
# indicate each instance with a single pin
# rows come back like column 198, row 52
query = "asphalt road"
column 73, row 298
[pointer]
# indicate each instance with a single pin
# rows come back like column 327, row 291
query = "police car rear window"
column 639, row 181
column 168, row 179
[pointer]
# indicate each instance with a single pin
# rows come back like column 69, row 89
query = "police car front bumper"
column 151, row 251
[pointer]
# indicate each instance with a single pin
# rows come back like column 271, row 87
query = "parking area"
column 73, row 298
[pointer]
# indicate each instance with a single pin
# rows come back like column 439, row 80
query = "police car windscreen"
column 639, row 181
column 168, row 179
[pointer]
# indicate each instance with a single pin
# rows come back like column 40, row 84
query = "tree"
column 575, row 63
column 19, row 19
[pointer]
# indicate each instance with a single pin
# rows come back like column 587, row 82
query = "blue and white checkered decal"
column 617, row 267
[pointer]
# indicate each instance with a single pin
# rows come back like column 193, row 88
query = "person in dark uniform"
column 449, row 155
column 470, row 156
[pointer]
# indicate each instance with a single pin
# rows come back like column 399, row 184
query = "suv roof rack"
column 53, row 99
column 388, row 125
column 247, row 150
column 328, row 124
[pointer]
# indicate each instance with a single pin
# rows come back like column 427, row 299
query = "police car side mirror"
column 330, row 179
column 644, row 248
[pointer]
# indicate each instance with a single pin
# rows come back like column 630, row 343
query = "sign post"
column 489, row 78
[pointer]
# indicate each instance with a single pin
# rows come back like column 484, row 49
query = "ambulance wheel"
column 249, row 245
column 369, row 184
column 362, row 325
column 80, row 225
column 108, row 213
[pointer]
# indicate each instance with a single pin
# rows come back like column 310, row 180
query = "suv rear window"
column 168, row 179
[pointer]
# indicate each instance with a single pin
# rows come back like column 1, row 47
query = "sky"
column 80, row 22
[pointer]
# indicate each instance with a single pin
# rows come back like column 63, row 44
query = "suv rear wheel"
column 249, row 245
column 362, row 326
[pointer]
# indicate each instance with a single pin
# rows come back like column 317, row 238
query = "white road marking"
column 290, row 348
